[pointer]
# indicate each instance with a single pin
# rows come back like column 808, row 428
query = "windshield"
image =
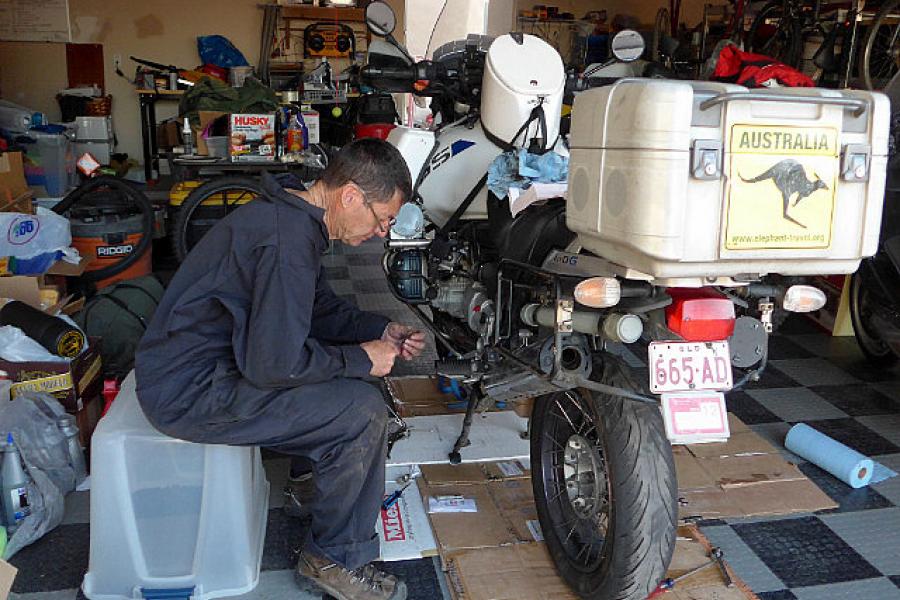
column 457, row 19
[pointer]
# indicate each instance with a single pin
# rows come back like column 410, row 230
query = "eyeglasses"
column 391, row 221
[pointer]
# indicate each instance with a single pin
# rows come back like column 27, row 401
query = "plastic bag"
column 218, row 50
column 30, row 244
column 31, row 418
column 15, row 346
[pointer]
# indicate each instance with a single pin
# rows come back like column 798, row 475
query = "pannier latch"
column 706, row 159
column 855, row 162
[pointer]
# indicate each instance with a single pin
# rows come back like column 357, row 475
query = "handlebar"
column 421, row 71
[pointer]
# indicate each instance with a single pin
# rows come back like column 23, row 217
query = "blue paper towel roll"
column 845, row 463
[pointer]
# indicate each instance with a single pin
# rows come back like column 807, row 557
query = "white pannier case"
column 692, row 183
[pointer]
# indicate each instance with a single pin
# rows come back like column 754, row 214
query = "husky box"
column 677, row 180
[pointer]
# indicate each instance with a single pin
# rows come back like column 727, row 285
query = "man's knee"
column 369, row 404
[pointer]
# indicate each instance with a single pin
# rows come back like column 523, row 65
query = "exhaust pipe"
column 616, row 327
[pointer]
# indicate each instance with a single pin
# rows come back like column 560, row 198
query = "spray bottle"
column 187, row 137
column 16, row 505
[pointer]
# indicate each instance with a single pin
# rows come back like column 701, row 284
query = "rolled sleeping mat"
column 54, row 334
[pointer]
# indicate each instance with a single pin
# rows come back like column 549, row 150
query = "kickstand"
column 462, row 441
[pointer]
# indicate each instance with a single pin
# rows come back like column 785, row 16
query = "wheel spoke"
column 571, row 424
column 560, row 446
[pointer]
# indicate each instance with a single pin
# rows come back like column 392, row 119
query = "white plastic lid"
column 533, row 67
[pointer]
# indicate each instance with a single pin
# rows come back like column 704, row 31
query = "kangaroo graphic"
column 790, row 178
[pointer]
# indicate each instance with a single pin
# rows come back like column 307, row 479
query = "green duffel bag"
column 120, row 314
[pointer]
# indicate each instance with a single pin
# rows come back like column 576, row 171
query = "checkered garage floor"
column 852, row 552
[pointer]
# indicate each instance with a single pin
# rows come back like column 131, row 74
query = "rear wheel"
column 877, row 352
column 605, row 490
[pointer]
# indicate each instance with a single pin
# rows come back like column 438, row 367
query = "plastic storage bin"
column 681, row 181
column 168, row 516
column 50, row 162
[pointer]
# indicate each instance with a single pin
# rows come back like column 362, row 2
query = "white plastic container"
column 518, row 77
column 169, row 514
column 93, row 129
column 50, row 162
column 671, row 179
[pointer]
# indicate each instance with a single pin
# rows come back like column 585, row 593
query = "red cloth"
column 753, row 70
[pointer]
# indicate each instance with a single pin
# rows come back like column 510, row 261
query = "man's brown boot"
column 364, row 583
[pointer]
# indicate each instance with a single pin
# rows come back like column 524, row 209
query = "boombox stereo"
column 334, row 40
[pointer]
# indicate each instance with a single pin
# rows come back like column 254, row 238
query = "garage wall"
column 645, row 10
column 164, row 31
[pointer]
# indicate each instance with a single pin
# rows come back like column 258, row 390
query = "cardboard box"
column 206, row 117
column 252, row 137
column 12, row 178
column 743, row 477
column 87, row 419
column 168, row 134
column 28, row 288
column 7, row 577
column 420, row 397
column 69, row 382
column 502, row 495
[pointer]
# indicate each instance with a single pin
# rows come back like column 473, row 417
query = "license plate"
column 695, row 417
column 689, row 366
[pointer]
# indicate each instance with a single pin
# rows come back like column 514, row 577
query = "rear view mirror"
column 380, row 19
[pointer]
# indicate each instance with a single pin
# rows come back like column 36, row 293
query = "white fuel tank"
column 518, row 77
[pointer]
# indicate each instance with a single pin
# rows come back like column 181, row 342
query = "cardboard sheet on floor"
column 745, row 476
column 419, row 396
column 494, row 436
column 403, row 530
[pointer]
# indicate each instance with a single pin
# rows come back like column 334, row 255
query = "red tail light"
column 700, row 315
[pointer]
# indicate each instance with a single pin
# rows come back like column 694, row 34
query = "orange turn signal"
column 599, row 292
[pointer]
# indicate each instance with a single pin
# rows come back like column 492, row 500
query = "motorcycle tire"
column 788, row 31
column 183, row 236
column 605, row 489
column 873, row 347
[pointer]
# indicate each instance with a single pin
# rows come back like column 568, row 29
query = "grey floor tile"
column 745, row 563
column 797, row 404
column 57, row 595
column 873, row 534
column 890, row 488
column 869, row 589
column 814, row 371
column 774, row 433
column 891, row 388
column 827, row 346
column 78, row 508
column 887, row 426
column 342, row 286
column 378, row 285
column 278, row 585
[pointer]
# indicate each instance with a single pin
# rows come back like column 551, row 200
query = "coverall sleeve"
column 279, row 351
column 338, row 321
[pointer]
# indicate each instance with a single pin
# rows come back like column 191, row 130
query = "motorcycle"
column 544, row 303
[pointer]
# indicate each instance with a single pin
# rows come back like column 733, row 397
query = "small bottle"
column 294, row 135
column 304, row 129
column 15, row 487
column 68, row 428
column 187, row 137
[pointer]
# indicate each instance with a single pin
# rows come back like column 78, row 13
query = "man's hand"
column 382, row 354
column 410, row 342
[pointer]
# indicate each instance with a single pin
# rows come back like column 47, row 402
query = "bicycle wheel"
column 774, row 35
column 207, row 205
column 660, row 32
column 881, row 52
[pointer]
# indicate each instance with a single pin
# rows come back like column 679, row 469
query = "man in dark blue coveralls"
column 250, row 346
